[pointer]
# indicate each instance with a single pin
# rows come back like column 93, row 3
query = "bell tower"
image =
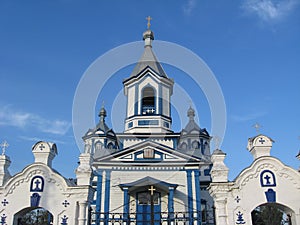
column 148, row 91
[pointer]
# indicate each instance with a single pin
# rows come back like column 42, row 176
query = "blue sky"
column 251, row 46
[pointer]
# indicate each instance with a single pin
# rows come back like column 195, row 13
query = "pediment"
column 148, row 152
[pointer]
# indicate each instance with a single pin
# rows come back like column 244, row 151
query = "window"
column 144, row 198
column 148, row 101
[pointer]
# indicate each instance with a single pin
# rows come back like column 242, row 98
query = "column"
column 98, row 196
column 82, row 213
column 171, row 204
column 126, row 205
column 190, row 195
column 221, row 215
column 198, row 196
column 107, row 196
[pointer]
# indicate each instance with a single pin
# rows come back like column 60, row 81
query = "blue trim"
column 35, row 200
column 93, row 146
column 175, row 143
column 98, row 196
column 148, row 159
column 190, row 195
column 198, row 197
column 160, row 103
column 136, row 100
column 126, row 205
column 34, row 186
column 270, row 195
column 147, row 122
column 107, row 195
column 267, row 178
column 171, row 203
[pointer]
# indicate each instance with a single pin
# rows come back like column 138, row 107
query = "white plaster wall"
column 17, row 192
column 130, row 101
column 177, row 177
column 252, row 194
column 166, row 101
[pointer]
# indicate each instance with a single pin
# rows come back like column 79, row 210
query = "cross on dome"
column 257, row 127
column 148, row 18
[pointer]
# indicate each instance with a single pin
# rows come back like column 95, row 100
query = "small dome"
column 102, row 112
column 148, row 34
column 191, row 113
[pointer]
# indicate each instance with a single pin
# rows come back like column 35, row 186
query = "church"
column 148, row 174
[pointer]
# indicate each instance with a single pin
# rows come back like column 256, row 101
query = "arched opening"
column 33, row 215
column 272, row 214
column 148, row 101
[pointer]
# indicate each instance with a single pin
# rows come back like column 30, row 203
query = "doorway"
column 272, row 214
column 33, row 216
column 144, row 204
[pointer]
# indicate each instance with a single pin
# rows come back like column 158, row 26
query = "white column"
column 221, row 214
column 82, row 213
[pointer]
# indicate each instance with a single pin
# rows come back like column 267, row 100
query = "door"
column 144, row 216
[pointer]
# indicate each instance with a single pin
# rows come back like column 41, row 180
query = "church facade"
column 148, row 174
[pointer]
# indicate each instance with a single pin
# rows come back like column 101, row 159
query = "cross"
column 4, row 202
column 41, row 147
column 267, row 179
column 151, row 189
column 261, row 140
column 217, row 141
column 3, row 219
column 4, row 145
column 237, row 199
column 37, row 183
column 66, row 203
column 64, row 220
column 257, row 127
column 148, row 24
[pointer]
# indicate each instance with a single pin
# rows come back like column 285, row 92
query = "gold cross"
column 151, row 189
column 148, row 24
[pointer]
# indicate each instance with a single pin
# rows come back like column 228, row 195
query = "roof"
column 148, row 59
column 101, row 128
column 148, row 181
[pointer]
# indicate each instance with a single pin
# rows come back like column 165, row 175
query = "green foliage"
column 268, row 214
column 35, row 217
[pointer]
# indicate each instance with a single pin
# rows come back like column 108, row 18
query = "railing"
column 160, row 218
column 148, row 109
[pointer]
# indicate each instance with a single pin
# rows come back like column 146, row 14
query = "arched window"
column 148, row 101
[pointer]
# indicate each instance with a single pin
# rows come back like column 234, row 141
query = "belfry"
column 150, row 169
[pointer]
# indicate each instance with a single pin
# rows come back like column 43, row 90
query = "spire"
column 148, row 35
column 102, row 125
column 148, row 59
column 192, row 125
column 191, row 113
column 102, row 113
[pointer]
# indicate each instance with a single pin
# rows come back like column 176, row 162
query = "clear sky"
column 252, row 47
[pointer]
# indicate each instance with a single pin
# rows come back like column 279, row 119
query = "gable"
column 149, row 152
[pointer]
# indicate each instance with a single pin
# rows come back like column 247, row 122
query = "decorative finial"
column 102, row 113
column 217, row 141
column 4, row 145
column 257, row 127
column 148, row 18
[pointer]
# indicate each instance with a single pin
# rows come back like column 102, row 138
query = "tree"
column 36, row 217
column 268, row 214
